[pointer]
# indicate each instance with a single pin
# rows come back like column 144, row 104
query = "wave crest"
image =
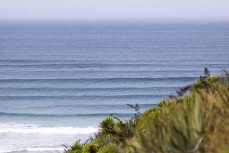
column 30, row 129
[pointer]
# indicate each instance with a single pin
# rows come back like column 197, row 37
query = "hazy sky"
column 115, row 9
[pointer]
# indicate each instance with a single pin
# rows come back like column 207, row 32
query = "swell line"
column 65, row 115
column 79, row 97
column 85, row 80
column 86, row 88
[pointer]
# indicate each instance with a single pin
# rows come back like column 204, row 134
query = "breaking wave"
column 30, row 129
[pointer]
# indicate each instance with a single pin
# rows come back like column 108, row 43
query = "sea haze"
column 58, row 80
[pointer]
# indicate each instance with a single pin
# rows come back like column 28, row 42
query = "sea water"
column 58, row 80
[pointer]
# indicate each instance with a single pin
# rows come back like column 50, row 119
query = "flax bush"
column 194, row 121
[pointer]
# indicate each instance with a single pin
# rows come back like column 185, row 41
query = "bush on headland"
column 194, row 121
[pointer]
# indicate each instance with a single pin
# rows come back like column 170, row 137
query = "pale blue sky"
column 115, row 9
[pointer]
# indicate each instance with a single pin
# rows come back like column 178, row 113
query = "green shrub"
column 76, row 148
column 90, row 148
column 108, row 149
column 195, row 121
column 107, row 125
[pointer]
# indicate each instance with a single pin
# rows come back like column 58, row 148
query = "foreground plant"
column 195, row 121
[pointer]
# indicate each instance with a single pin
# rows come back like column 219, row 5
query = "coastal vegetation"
column 196, row 120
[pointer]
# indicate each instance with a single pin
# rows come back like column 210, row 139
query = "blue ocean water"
column 58, row 80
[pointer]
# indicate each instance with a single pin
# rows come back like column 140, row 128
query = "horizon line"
column 201, row 20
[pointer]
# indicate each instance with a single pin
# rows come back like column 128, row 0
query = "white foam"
column 6, row 150
column 10, row 148
column 44, row 149
column 30, row 149
column 33, row 129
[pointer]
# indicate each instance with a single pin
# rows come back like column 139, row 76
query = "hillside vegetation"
column 194, row 121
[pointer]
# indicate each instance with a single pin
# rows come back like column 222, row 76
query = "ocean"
column 59, row 79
